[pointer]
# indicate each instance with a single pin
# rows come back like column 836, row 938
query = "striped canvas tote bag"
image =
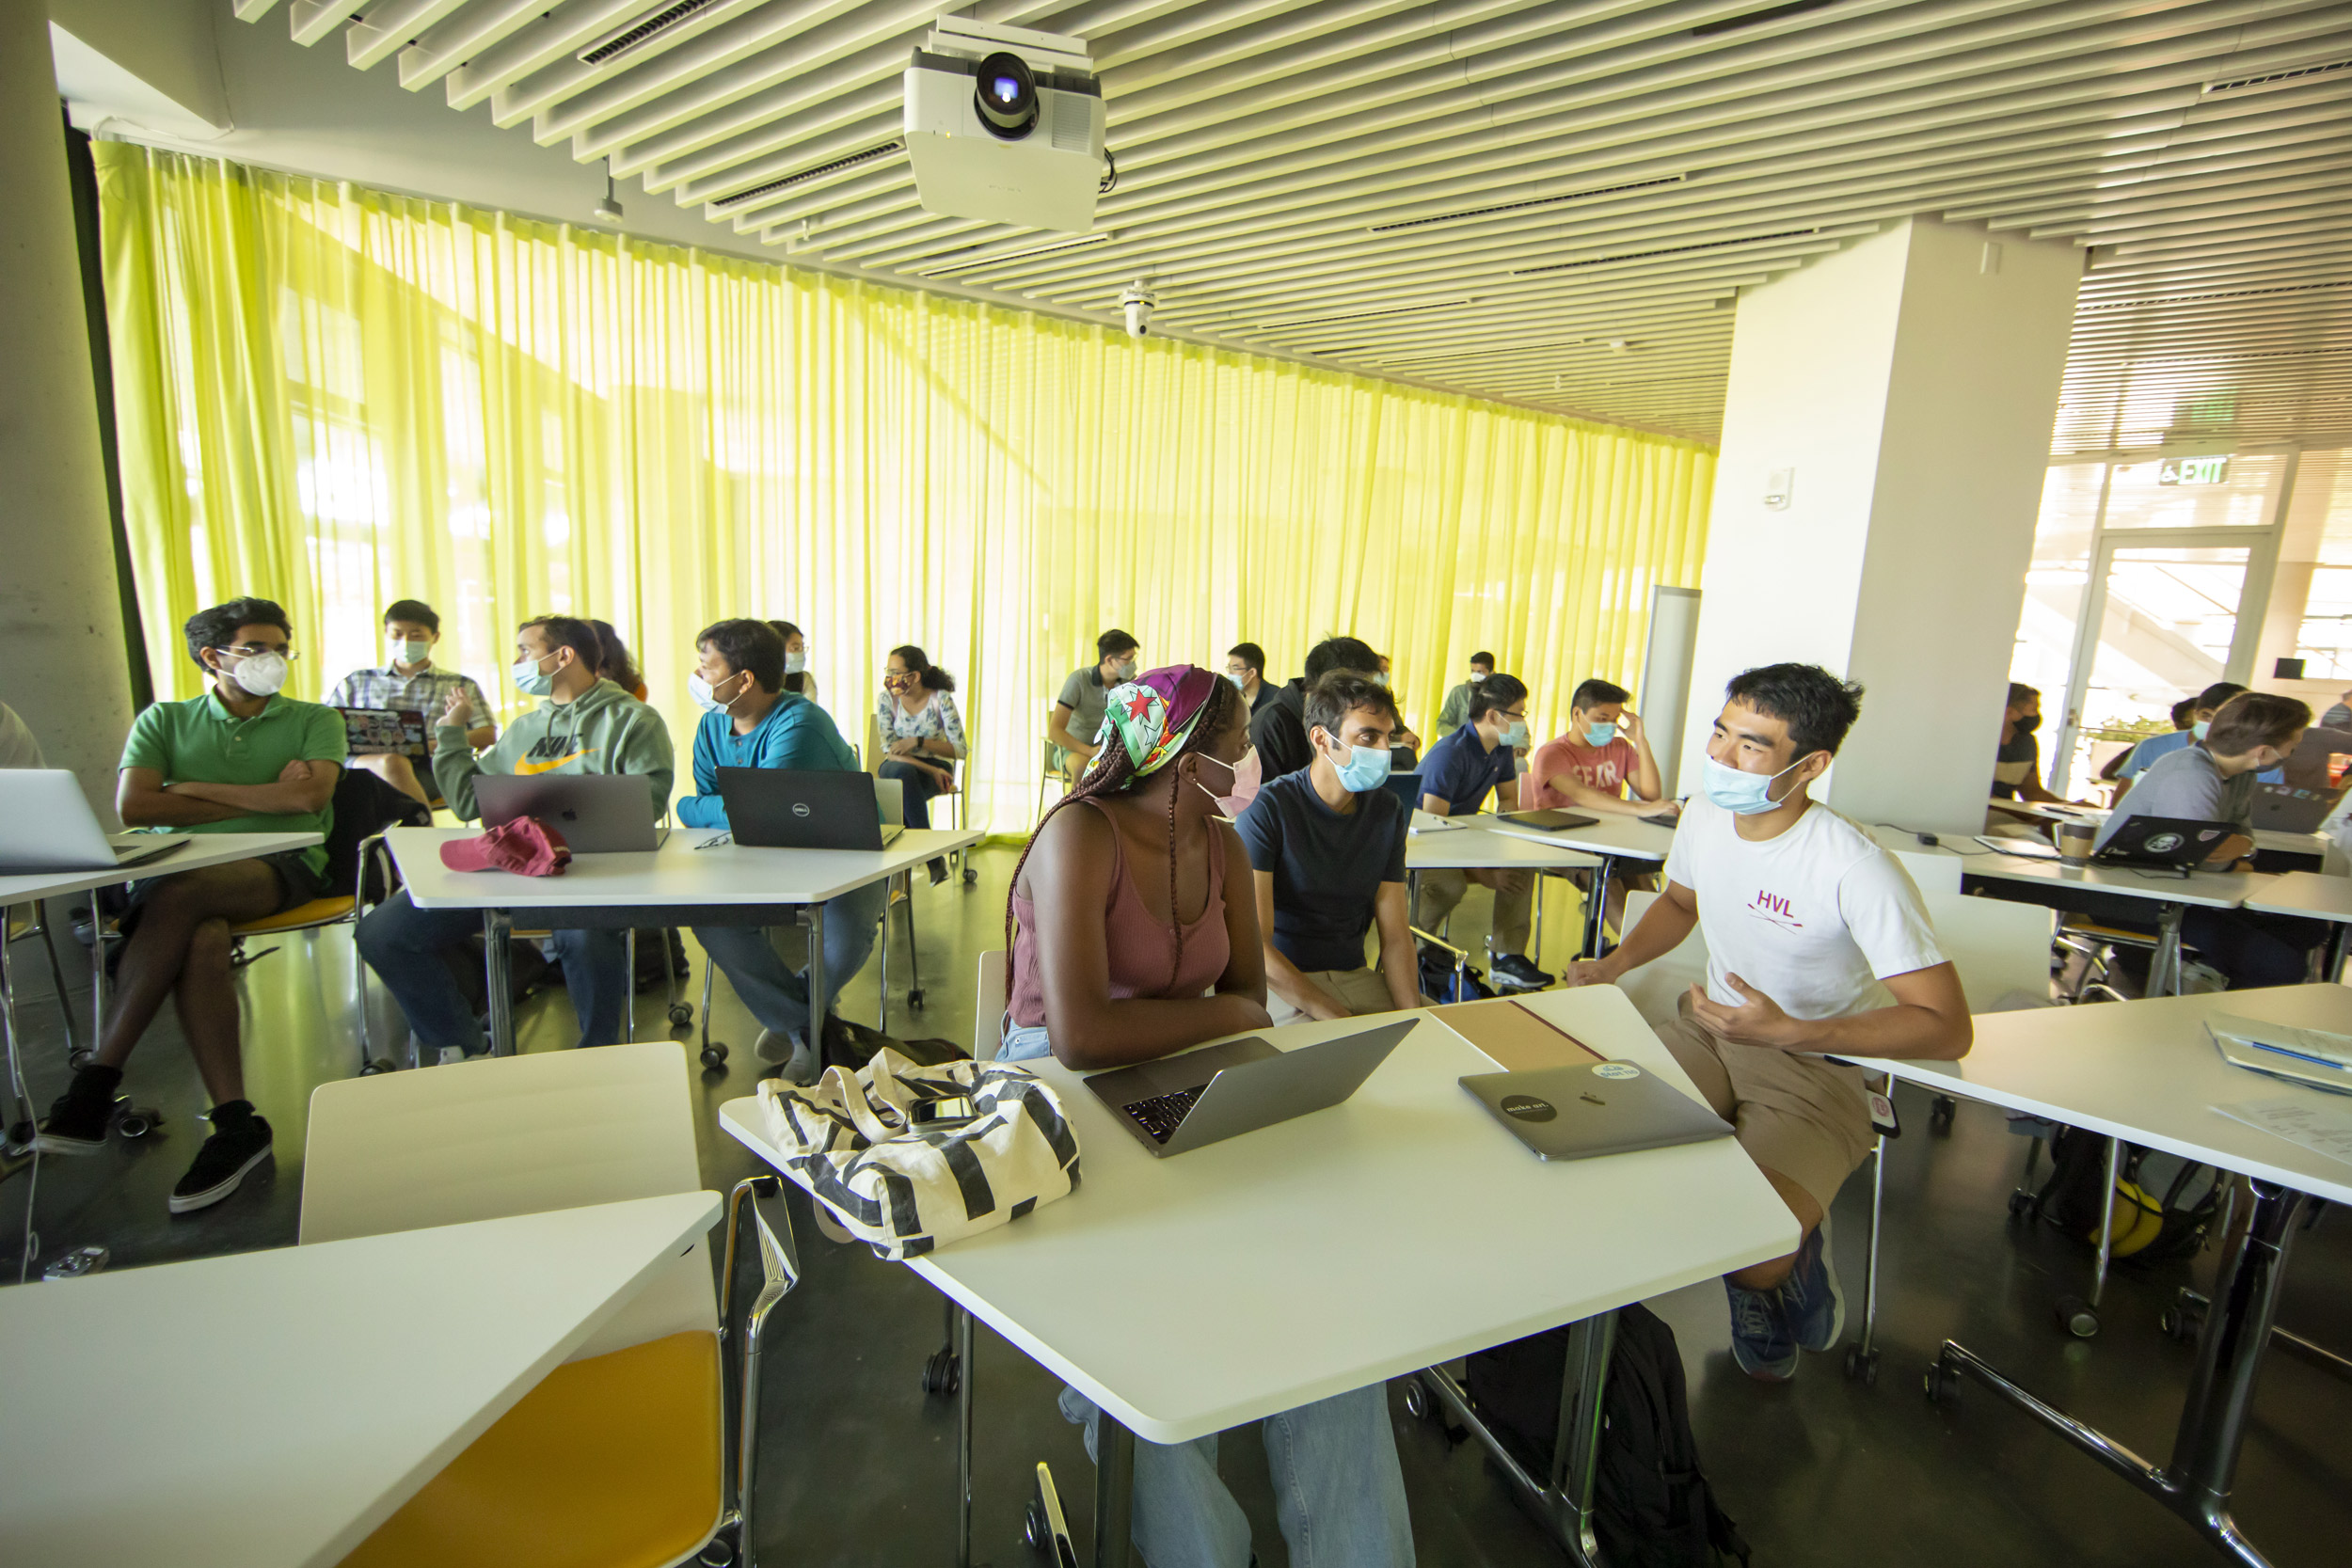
column 904, row 1189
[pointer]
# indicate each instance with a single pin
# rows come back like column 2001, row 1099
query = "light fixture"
column 609, row 208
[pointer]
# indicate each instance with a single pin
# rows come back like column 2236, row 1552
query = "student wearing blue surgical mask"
column 1602, row 764
column 1326, row 845
column 1817, row 946
column 1479, row 760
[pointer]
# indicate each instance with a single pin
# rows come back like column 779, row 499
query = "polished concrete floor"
column 858, row 1464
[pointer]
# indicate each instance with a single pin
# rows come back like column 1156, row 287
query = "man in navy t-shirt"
column 1327, row 846
column 1460, row 771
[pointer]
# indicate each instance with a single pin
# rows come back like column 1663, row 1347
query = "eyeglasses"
column 248, row 650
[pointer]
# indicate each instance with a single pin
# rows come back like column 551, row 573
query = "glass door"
column 2161, row 623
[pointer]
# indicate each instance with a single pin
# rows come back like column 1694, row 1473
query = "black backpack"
column 2070, row 1199
column 1652, row 1505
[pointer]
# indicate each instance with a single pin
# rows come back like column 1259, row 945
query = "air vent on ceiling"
column 1365, row 315
column 957, row 261
column 2166, row 302
column 802, row 177
column 2279, row 78
column 637, row 33
column 1756, row 19
column 1524, row 206
column 1669, row 250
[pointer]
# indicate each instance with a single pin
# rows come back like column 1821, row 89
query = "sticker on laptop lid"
column 1616, row 1069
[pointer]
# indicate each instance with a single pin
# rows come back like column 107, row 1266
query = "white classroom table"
column 2314, row 896
column 1453, row 844
column 2171, row 896
column 2147, row 1072
column 2265, row 838
column 198, row 851
column 224, row 1412
column 1381, row 1237
column 1614, row 839
column 678, row 885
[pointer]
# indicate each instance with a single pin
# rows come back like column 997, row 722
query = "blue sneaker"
column 1810, row 1295
column 1761, row 1342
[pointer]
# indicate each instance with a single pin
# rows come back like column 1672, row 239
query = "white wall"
column 1913, row 392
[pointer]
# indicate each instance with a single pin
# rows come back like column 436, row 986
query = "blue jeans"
column 1338, row 1489
column 1022, row 1044
column 409, row 949
column 778, row 996
column 920, row 788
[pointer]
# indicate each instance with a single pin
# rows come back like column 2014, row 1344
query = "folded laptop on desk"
column 790, row 808
column 1551, row 820
column 597, row 813
column 2176, row 842
column 2318, row 1058
column 1576, row 1112
column 47, row 825
column 1178, row 1104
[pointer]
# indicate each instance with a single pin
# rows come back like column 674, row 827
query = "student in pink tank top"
column 1138, row 936
column 1129, row 939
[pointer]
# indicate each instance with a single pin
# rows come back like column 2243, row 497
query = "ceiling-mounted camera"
column 1137, row 302
column 1005, row 124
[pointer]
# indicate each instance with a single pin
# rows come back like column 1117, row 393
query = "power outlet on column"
column 1779, row 485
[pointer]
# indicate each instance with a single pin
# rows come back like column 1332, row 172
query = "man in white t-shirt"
column 1816, row 946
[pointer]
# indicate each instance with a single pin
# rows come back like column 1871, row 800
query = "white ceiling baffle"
column 1553, row 202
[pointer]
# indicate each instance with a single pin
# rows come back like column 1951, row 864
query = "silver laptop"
column 47, row 825
column 1574, row 1112
column 796, row 808
column 597, row 813
column 1222, row 1091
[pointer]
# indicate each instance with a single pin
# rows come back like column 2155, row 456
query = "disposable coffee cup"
column 2075, row 840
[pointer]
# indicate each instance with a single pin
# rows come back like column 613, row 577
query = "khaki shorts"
column 1804, row 1116
column 1362, row 989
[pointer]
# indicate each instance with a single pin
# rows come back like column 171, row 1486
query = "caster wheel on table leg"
column 138, row 1123
column 943, row 1373
column 1863, row 1365
column 2021, row 1204
column 914, row 1000
column 681, row 1012
column 971, row 877
column 2177, row 1325
column 1033, row 1530
column 715, row 1056
column 1943, row 1382
column 1419, row 1404
column 80, row 1058
column 2077, row 1317
column 1941, row 1112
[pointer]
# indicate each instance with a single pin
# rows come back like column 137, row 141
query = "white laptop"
column 47, row 825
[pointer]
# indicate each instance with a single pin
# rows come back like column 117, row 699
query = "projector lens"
column 1007, row 98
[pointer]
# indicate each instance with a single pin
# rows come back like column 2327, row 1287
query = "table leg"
column 2164, row 969
column 1114, row 1492
column 1563, row 1499
column 2106, row 1223
column 1597, row 910
column 496, row 975
column 964, row 1435
column 2195, row 1483
column 820, row 994
column 2337, row 952
column 20, row 1129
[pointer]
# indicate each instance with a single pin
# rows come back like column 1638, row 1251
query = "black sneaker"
column 79, row 1119
column 937, row 865
column 239, row 1142
column 1514, row 972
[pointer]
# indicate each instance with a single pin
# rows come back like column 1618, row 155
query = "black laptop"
column 2172, row 842
column 790, row 808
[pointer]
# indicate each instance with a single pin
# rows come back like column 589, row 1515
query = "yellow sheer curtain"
column 337, row 397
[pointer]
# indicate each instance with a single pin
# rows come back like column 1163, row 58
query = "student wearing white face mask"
column 408, row 681
column 798, row 678
column 241, row 758
column 1477, row 760
column 1326, row 847
column 583, row 724
column 1817, row 944
column 1455, row 712
column 750, row 721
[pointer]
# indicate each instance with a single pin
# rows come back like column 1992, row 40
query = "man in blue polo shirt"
column 1457, row 775
column 750, row 721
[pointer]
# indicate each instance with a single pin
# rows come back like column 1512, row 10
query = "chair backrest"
column 890, row 798
column 874, row 747
column 991, row 996
column 514, row 1135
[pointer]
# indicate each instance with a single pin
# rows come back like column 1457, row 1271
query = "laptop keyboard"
column 1161, row 1115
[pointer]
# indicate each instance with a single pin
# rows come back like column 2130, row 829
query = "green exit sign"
column 2193, row 470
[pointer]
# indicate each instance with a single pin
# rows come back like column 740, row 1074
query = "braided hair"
column 1113, row 773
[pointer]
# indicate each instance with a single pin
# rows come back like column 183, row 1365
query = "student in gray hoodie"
column 583, row 724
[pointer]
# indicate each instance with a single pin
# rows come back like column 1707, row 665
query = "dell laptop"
column 1574, row 1112
column 597, row 813
column 791, row 808
column 2174, row 842
column 1220, row 1091
column 47, row 825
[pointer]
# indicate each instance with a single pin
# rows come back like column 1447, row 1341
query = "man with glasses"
column 240, row 759
column 1481, row 757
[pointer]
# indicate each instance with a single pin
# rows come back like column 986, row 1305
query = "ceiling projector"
column 1005, row 124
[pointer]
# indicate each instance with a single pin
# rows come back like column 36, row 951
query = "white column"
column 1905, row 387
column 62, row 662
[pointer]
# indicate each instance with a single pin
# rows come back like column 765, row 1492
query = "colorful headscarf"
column 1154, row 715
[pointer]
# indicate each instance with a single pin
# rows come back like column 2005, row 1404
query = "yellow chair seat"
column 318, row 911
column 2110, row 933
column 610, row 1463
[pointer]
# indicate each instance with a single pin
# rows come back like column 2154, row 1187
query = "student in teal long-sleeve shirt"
column 750, row 721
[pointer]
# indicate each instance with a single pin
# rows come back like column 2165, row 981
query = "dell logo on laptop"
column 800, row 808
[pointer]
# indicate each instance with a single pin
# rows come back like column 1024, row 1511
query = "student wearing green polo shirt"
column 240, row 759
